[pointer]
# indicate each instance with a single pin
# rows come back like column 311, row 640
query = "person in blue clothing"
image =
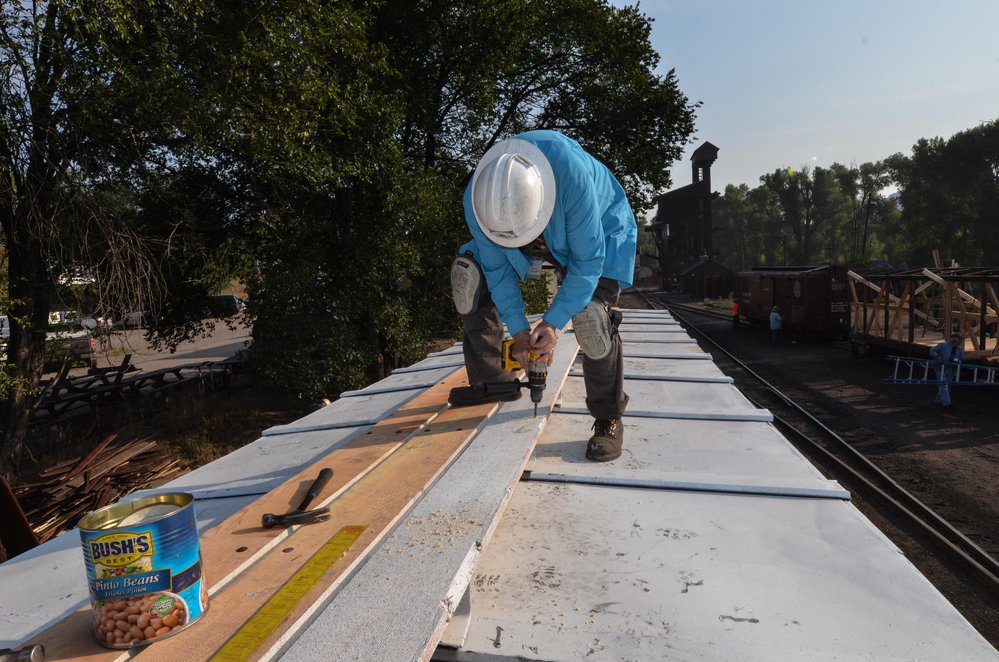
column 533, row 198
column 946, row 354
column 776, row 324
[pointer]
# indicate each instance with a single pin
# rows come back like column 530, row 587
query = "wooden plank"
column 108, row 464
column 361, row 409
column 377, row 502
column 882, row 291
column 961, row 294
column 900, row 305
column 966, row 323
column 397, row 605
column 73, row 637
column 91, row 455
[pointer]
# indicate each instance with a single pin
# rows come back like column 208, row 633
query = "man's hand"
column 521, row 345
column 543, row 340
column 540, row 341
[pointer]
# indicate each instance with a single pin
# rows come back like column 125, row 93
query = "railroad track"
column 842, row 461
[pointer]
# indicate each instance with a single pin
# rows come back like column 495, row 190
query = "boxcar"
column 813, row 300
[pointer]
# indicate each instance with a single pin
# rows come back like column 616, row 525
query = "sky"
column 817, row 82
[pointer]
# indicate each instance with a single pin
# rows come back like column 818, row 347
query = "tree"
column 870, row 216
column 832, row 213
column 316, row 149
column 61, row 153
column 474, row 72
column 465, row 74
column 144, row 144
column 795, row 194
column 732, row 213
column 949, row 194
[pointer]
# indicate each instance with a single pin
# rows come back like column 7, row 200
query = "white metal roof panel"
column 647, row 315
column 413, row 581
column 641, row 346
column 40, row 586
column 663, row 396
column 597, row 572
column 646, row 368
column 654, row 333
column 723, row 452
column 658, row 328
column 584, row 572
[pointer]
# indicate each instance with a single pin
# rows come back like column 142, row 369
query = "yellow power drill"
column 537, row 371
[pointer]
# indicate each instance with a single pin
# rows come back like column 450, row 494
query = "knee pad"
column 466, row 284
column 594, row 330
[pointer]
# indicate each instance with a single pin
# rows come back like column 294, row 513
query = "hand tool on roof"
column 300, row 515
column 537, row 375
column 26, row 654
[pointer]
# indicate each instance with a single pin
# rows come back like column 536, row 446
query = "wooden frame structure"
column 913, row 310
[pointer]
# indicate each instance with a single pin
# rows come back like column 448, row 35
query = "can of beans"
column 143, row 563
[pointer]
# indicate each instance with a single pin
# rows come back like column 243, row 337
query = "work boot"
column 606, row 442
column 467, row 396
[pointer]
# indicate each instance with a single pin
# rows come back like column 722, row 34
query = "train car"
column 812, row 299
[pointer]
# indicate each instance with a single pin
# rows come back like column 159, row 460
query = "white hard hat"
column 513, row 193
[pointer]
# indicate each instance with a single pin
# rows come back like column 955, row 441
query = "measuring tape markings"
column 259, row 627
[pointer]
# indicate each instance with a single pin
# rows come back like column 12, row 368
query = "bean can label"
column 143, row 564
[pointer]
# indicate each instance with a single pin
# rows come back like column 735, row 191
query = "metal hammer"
column 300, row 515
column 27, row 654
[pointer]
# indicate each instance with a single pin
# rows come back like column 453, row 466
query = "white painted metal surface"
column 627, row 570
column 646, row 368
column 722, row 452
column 670, row 552
column 580, row 572
column 666, row 351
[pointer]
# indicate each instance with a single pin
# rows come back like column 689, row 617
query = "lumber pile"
column 114, row 468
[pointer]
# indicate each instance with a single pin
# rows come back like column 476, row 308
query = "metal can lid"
column 138, row 511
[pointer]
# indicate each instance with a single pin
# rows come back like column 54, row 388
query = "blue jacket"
column 592, row 233
column 948, row 353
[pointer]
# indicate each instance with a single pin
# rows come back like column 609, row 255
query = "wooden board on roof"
column 240, row 553
column 396, row 607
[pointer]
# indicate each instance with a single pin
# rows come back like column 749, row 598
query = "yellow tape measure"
column 260, row 626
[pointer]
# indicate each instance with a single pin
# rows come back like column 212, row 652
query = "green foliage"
column 352, row 277
column 837, row 215
column 474, row 72
column 316, row 150
column 949, row 194
column 947, row 201
column 648, row 247
column 537, row 296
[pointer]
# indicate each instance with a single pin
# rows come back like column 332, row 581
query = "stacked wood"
column 114, row 468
